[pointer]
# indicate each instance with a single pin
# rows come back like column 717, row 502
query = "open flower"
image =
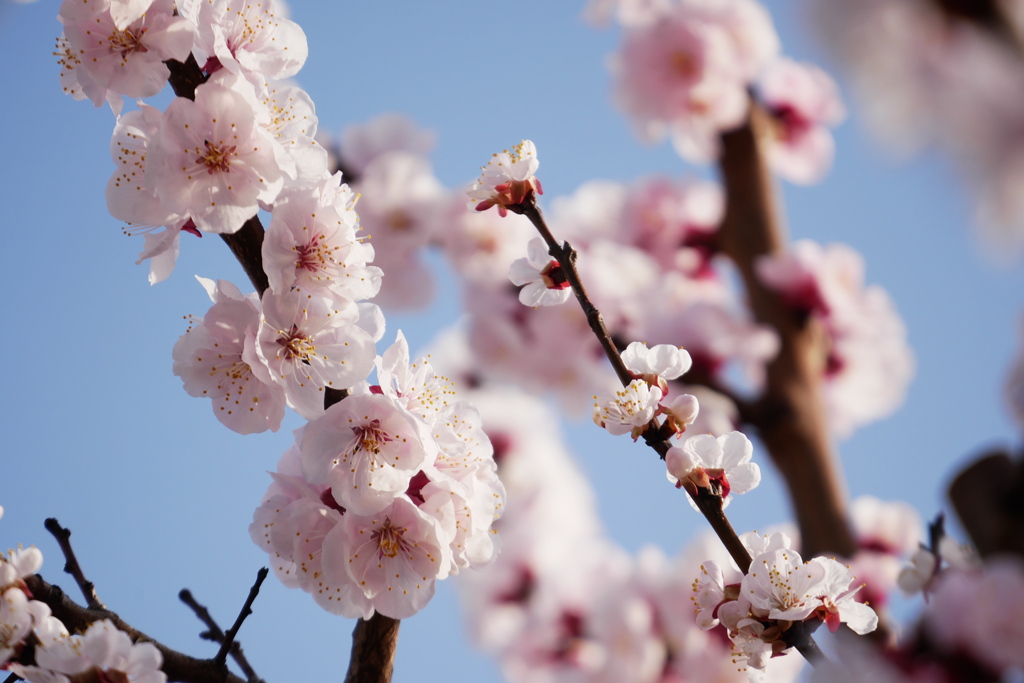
column 543, row 276
column 507, row 179
column 722, row 465
column 629, row 410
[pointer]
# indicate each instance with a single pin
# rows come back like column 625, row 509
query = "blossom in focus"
column 507, row 179
column 542, row 278
column 106, row 59
column 312, row 243
column 628, row 410
column 367, row 449
column 250, row 39
column 215, row 360
column 212, row 160
column 721, row 464
column 803, row 102
column 308, row 343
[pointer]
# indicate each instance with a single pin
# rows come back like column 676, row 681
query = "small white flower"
column 629, row 409
column 543, row 276
column 721, row 464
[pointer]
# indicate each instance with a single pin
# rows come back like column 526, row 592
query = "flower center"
column 370, row 437
column 683, row 64
column 389, row 540
column 296, row 345
column 216, row 158
column 314, row 255
column 554, row 276
column 127, row 41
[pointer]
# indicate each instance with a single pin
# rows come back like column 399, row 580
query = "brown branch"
column 215, row 634
column 566, row 257
column 177, row 666
column 790, row 415
column 373, row 650
column 71, row 565
column 229, row 637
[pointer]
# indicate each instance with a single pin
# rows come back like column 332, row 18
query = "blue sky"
column 100, row 434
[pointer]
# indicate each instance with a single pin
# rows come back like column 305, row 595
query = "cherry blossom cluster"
column 206, row 164
column 780, row 589
column 633, row 408
column 382, row 495
column 393, row 487
column 928, row 74
column 686, row 68
column 563, row 602
column 101, row 653
column 868, row 353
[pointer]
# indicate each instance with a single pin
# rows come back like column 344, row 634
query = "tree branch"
column 373, row 650
column 71, row 565
column 790, row 415
column 214, row 633
column 229, row 637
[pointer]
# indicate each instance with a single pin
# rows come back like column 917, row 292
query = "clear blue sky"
column 99, row 433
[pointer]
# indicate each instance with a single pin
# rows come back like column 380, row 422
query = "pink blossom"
column 309, row 343
column 215, row 359
column 367, row 449
column 414, row 386
column 362, row 143
column 312, row 243
column 107, row 59
column 983, row 611
column 686, row 71
column 804, row 103
column 212, row 161
column 659, row 362
column 869, row 364
column 395, row 556
column 402, row 204
column 251, row 39
column 101, row 651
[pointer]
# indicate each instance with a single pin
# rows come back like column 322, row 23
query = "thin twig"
column 800, row 637
column 71, row 565
column 215, row 634
column 566, row 257
column 229, row 637
column 711, row 507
